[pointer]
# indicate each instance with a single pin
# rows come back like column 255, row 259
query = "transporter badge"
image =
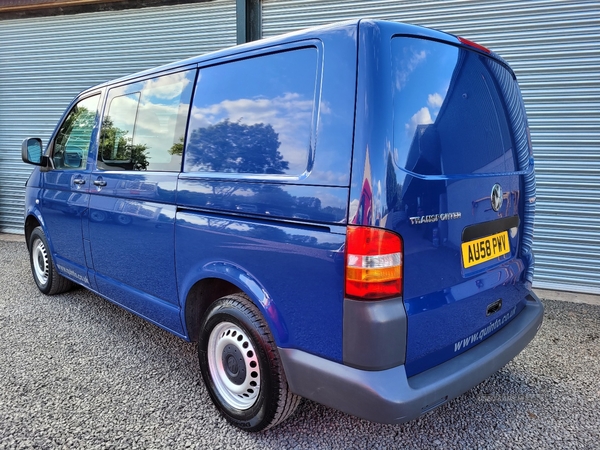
column 434, row 218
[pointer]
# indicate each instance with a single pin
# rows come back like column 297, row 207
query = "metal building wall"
column 553, row 46
column 46, row 61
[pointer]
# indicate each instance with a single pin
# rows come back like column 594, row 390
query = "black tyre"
column 241, row 366
column 48, row 280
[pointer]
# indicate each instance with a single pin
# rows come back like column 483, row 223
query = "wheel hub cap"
column 233, row 362
column 40, row 262
column 233, row 365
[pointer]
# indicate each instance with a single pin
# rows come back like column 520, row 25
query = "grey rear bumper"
column 388, row 396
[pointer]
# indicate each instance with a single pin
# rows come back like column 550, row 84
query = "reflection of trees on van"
column 233, row 147
column 117, row 151
column 309, row 203
column 177, row 148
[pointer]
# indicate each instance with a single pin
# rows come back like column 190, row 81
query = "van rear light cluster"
column 373, row 263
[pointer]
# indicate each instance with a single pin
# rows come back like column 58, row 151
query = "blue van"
column 343, row 213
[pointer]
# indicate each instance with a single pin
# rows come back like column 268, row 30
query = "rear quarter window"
column 449, row 113
column 254, row 116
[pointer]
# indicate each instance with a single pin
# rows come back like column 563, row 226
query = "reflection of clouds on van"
column 448, row 116
column 136, row 209
column 274, row 212
column 407, row 62
column 315, row 203
column 282, row 100
column 166, row 88
column 70, row 203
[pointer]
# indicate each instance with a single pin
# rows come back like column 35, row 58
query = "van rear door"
column 460, row 140
column 455, row 181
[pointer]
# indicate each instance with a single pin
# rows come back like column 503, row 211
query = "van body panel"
column 64, row 206
column 156, row 310
column 132, row 231
column 299, row 315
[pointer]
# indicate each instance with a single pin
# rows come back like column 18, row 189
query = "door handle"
column 79, row 181
column 100, row 183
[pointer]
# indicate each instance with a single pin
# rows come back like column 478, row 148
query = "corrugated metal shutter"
column 553, row 46
column 46, row 61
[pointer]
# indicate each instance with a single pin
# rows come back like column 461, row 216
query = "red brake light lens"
column 474, row 45
column 373, row 263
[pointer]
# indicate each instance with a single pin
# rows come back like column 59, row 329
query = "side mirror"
column 31, row 151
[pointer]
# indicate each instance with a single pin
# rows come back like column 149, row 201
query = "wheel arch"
column 221, row 279
column 31, row 223
column 200, row 297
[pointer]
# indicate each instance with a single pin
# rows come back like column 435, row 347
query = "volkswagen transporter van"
column 343, row 213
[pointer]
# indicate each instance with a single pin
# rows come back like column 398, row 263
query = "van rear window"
column 449, row 112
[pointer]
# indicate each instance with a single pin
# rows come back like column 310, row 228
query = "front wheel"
column 241, row 367
column 48, row 280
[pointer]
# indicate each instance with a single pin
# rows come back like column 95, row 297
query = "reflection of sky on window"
column 167, row 90
column 122, row 112
column 423, row 70
column 276, row 90
column 161, row 115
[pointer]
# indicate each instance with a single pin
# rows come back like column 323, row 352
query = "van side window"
column 145, row 123
column 72, row 142
column 254, row 116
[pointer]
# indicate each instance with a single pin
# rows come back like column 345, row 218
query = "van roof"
column 347, row 26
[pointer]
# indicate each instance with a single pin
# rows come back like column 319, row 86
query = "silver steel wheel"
column 233, row 365
column 41, row 261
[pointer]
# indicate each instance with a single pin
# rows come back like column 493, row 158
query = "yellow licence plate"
column 484, row 249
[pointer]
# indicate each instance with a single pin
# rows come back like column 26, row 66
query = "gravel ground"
column 78, row 372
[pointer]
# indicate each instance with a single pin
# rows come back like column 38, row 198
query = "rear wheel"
column 48, row 280
column 241, row 366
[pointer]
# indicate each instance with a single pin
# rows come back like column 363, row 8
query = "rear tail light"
column 373, row 263
column 474, row 45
